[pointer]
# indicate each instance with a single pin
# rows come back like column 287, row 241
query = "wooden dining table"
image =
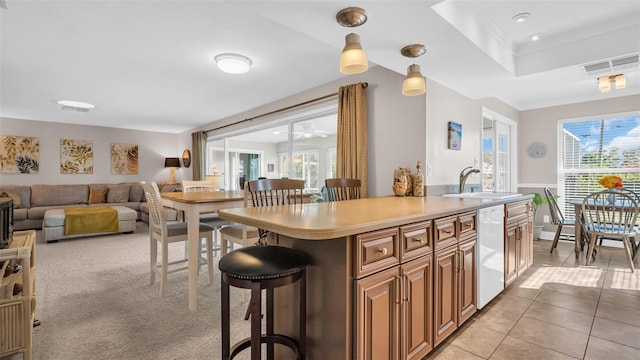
column 193, row 204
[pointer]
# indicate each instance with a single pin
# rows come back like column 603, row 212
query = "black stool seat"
column 256, row 268
column 263, row 262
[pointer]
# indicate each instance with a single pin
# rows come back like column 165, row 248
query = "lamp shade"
column 414, row 83
column 172, row 162
column 353, row 59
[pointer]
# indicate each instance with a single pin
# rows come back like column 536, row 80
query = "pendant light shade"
column 414, row 83
column 353, row 59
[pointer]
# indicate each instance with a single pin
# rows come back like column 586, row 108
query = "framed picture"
column 76, row 156
column 19, row 154
column 270, row 168
column 455, row 136
column 124, row 159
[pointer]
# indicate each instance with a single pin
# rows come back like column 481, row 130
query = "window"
column 594, row 147
column 302, row 147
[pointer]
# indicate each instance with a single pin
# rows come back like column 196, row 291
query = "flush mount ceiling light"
column 75, row 105
column 536, row 37
column 606, row 82
column 414, row 84
column 233, row 63
column 522, row 17
column 353, row 59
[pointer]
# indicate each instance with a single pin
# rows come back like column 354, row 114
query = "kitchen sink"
column 484, row 195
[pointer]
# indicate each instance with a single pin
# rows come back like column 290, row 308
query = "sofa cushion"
column 118, row 193
column 23, row 191
column 97, row 194
column 47, row 195
column 136, row 193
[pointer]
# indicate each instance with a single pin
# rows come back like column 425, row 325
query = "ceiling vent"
column 612, row 65
column 75, row 108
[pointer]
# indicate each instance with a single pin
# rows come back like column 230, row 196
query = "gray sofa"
column 31, row 202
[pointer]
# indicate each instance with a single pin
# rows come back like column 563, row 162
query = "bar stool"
column 256, row 268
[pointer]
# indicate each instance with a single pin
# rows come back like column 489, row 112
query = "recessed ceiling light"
column 233, row 63
column 522, row 17
column 536, row 37
column 75, row 105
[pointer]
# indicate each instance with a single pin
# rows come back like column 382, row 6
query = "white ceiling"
column 147, row 65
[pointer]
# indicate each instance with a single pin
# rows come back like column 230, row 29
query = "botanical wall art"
column 76, row 156
column 19, row 154
column 455, row 136
column 124, row 159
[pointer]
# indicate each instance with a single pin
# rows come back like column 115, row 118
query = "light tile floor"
column 558, row 309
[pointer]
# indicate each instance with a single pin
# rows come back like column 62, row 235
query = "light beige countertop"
column 330, row 220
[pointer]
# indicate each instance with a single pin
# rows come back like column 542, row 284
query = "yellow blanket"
column 90, row 220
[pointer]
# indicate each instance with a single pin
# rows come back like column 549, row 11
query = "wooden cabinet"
column 455, row 293
column 17, row 311
column 518, row 246
column 394, row 306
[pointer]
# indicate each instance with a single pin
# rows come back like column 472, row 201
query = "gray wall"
column 153, row 147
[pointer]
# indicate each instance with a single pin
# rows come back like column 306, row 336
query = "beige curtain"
column 351, row 149
column 198, row 154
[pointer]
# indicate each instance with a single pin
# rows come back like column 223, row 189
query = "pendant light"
column 353, row 59
column 414, row 84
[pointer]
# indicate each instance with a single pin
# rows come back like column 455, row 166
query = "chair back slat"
column 274, row 192
column 157, row 222
column 554, row 211
column 198, row 185
column 339, row 189
column 610, row 212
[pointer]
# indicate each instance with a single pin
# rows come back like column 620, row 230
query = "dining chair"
column 261, row 192
column 611, row 214
column 163, row 233
column 339, row 189
column 636, row 197
column 559, row 221
column 208, row 218
column 241, row 234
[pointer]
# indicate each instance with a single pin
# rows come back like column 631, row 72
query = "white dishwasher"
column 490, row 253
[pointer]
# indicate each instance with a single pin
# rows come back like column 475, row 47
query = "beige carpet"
column 95, row 302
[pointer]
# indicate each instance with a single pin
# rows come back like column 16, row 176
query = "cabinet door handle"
column 398, row 282
column 406, row 288
column 457, row 261
column 383, row 251
column 461, row 255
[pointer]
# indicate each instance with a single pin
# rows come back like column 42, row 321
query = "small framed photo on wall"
column 454, row 135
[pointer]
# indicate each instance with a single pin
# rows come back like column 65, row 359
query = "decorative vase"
column 611, row 199
column 418, row 181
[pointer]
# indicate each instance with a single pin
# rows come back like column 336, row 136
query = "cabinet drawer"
column 376, row 250
column 416, row 240
column 516, row 209
column 467, row 225
column 444, row 232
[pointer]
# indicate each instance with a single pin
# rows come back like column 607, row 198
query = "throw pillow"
column 136, row 193
column 118, row 193
column 17, row 202
column 97, row 195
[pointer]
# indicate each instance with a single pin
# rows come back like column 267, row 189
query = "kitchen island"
column 385, row 272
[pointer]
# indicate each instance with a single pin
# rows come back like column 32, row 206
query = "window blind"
column 591, row 149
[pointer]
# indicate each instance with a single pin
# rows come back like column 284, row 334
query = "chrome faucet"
column 464, row 176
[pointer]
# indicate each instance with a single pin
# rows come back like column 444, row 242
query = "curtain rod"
column 364, row 85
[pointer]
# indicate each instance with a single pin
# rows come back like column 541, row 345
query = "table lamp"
column 172, row 163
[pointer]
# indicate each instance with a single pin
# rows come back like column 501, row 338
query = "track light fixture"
column 414, row 83
column 353, row 59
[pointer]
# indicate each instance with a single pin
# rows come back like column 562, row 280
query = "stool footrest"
column 267, row 339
